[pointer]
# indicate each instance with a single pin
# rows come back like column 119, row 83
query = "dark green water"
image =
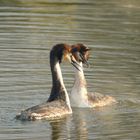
column 28, row 30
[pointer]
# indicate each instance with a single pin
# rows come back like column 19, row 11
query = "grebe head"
column 80, row 53
column 62, row 52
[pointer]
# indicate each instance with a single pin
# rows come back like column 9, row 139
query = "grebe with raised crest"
column 79, row 95
column 58, row 103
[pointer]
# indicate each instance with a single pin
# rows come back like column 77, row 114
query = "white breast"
column 78, row 96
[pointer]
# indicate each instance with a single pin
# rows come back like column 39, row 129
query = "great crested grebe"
column 58, row 103
column 79, row 96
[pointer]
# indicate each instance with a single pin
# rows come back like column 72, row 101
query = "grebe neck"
column 79, row 75
column 58, row 91
column 79, row 89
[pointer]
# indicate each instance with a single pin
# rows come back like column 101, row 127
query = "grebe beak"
column 84, row 60
column 75, row 63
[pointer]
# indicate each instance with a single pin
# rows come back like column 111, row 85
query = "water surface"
column 28, row 30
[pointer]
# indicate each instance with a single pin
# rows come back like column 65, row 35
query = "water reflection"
column 70, row 127
column 80, row 124
column 57, row 128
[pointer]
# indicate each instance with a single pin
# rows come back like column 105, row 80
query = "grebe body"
column 58, row 104
column 79, row 95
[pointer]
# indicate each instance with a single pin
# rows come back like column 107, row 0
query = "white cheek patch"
column 68, row 57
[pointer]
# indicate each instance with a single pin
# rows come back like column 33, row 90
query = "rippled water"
column 28, row 30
